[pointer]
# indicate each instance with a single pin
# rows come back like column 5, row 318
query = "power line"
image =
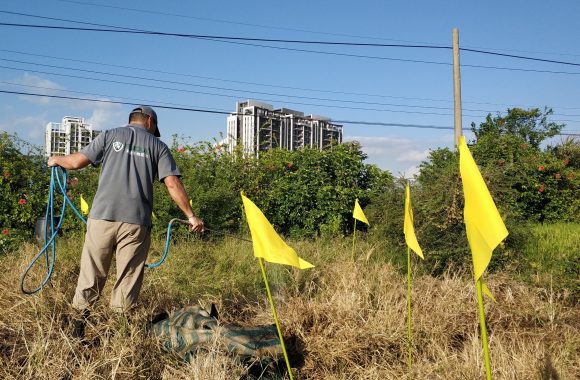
column 150, row 101
column 66, row 20
column 120, row 29
column 521, row 69
column 255, row 92
column 522, row 51
column 223, row 41
column 227, row 96
column 420, row 126
column 520, row 57
column 191, row 109
column 241, row 90
column 238, row 96
column 135, row 100
column 237, row 41
column 404, row 125
column 247, row 91
column 149, row 11
column 70, row 59
column 202, row 110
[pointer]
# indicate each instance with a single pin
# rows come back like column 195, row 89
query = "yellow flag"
column 484, row 226
column 84, row 206
column 358, row 213
column 408, row 228
column 267, row 243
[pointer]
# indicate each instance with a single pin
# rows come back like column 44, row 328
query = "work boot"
column 79, row 325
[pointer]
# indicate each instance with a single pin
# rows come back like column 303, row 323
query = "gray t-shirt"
column 130, row 159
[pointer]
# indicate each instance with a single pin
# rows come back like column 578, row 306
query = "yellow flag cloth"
column 486, row 291
column 408, row 228
column 267, row 243
column 84, row 206
column 484, row 226
column 358, row 213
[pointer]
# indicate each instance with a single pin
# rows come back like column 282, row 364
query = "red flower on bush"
column 290, row 165
column 22, row 201
column 181, row 149
column 523, row 146
column 5, row 231
column 557, row 176
column 541, row 188
column 541, row 168
column 6, row 174
column 500, row 162
column 570, row 176
column 566, row 162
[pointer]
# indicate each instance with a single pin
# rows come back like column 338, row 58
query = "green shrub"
column 302, row 193
column 23, row 183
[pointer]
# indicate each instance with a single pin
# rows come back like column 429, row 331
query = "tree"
column 531, row 126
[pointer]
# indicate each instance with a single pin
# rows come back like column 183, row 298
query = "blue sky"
column 390, row 90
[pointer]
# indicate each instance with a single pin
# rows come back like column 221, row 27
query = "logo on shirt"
column 118, row 146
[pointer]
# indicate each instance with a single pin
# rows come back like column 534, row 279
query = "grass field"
column 348, row 319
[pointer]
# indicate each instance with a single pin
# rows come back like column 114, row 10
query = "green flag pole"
column 410, row 338
column 478, row 285
column 353, row 239
column 260, row 260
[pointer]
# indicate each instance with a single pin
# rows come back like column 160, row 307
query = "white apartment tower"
column 258, row 126
column 70, row 136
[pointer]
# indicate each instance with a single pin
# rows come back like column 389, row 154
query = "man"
column 120, row 218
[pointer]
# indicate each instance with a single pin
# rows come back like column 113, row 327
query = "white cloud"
column 401, row 156
column 106, row 116
column 36, row 84
column 30, row 128
column 413, row 155
column 410, row 172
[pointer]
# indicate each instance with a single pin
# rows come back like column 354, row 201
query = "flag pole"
column 353, row 239
column 409, row 310
column 260, row 260
column 478, row 285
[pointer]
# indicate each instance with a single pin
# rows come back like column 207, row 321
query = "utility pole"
column 456, row 87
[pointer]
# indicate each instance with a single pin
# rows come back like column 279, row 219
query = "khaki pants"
column 131, row 243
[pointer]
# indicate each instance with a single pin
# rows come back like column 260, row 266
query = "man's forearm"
column 179, row 196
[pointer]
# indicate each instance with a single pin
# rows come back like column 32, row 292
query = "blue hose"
column 162, row 259
column 58, row 178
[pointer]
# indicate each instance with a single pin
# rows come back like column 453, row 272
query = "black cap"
column 146, row 110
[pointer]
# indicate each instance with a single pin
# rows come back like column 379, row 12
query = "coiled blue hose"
column 58, row 181
column 58, row 177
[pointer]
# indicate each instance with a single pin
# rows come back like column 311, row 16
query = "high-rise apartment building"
column 70, row 136
column 258, row 127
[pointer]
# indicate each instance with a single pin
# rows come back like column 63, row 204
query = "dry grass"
column 349, row 320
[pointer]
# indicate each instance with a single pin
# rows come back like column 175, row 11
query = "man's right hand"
column 195, row 224
column 52, row 161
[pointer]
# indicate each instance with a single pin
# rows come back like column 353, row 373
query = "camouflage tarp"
column 193, row 328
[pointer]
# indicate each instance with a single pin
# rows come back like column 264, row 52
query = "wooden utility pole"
column 456, row 86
